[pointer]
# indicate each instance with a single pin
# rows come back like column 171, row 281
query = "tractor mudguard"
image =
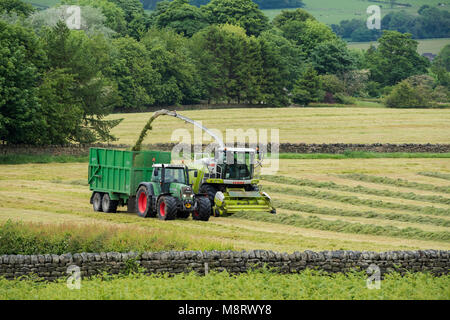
column 149, row 187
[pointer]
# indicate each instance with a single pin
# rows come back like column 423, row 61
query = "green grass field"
column 428, row 45
column 251, row 286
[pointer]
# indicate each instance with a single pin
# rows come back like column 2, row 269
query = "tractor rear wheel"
column 210, row 191
column 144, row 203
column 97, row 201
column 167, row 208
column 109, row 205
column 202, row 211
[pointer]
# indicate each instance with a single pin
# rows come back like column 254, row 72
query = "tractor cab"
column 169, row 176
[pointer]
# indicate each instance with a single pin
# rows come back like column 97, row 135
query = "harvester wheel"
column 144, row 203
column 167, row 208
column 109, row 205
column 97, row 202
column 210, row 191
column 202, row 211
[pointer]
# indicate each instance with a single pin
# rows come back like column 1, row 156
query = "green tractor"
column 169, row 196
column 228, row 180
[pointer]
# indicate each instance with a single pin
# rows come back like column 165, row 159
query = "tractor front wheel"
column 210, row 191
column 167, row 208
column 202, row 211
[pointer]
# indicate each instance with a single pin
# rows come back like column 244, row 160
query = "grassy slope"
column 308, row 125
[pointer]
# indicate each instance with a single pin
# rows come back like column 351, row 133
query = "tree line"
column 58, row 85
column 263, row 4
column 430, row 22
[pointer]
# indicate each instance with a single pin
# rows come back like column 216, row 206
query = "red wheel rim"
column 142, row 202
column 162, row 208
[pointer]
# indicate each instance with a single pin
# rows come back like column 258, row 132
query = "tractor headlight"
column 186, row 192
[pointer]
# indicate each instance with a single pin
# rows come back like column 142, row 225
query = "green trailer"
column 146, row 183
column 117, row 174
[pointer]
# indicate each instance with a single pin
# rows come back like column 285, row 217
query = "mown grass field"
column 307, row 125
column 329, row 204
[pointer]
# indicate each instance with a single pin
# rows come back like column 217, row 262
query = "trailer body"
column 119, row 172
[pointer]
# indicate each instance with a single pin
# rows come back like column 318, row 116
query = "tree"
column 171, row 58
column 308, row 88
column 395, row 59
column 244, row 13
column 132, row 70
column 21, row 61
column 441, row 66
column 85, row 59
column 137, row 20
column 16, row 6
column 115, row 16
column 308, row 34
column 285, row 16
column 405, row 95
column 332, row 57
column 180, row 16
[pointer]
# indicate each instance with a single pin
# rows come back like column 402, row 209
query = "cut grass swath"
column 345, row 227
column 361, row 214
column 324, row 195
column 357, row 189
column 435, row 175
column 396, row 182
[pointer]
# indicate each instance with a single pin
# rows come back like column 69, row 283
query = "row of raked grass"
column 402, row 217
column 358, row 189
column 354, row 200
column 314, row 222
column 435, row 175
column 396, row 182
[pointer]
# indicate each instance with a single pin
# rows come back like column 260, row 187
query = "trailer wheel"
column 109, row 205
column 202, row 211
column 210, row 191
column 144, row 203
column 97, row 201
column 167, row 208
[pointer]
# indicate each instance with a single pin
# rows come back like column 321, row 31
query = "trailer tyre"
column 97, row 202
column 144, row 203
column 167, row 208
column 202, row 211
column 109, row 205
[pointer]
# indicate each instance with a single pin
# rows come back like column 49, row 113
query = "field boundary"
column 299, row 148
column 51, row 267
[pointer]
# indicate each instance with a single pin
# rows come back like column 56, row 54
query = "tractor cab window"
column 177, row 175
column 156, row 176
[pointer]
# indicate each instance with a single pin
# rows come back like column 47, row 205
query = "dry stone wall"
column 51, row 267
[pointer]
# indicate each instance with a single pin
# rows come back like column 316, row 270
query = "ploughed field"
column 323, row 204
